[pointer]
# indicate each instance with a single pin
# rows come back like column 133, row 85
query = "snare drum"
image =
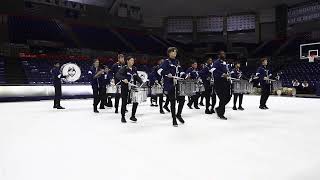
column 139, row 94
column 187, row 87
column 156, row 90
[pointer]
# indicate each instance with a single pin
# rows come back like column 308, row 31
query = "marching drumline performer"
column 128, row 75
column 192, row 73
column 236, row 73
column 207, row 77
column 94, row 74
column 222, row 84
column 264, row 75
column 56, row 74
column 169, row 70
column 104, row 80
column 156, row 79
column 114, row 69
column 108, row 77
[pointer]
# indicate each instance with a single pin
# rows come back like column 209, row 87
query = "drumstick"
column 175, row 77
column 142, row 84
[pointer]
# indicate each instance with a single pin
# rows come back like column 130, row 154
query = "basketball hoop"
column 311, row 58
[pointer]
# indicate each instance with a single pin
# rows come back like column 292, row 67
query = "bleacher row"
column 22, row 29
column 2, row 71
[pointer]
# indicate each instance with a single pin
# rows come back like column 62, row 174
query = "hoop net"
column 311, row 58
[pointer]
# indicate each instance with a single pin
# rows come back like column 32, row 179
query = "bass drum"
column 71, row 71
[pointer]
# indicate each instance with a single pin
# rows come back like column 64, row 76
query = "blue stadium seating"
column 22, row 29
column 302, row 71
column 2, row 71
column 99, row 38
column 142, row 41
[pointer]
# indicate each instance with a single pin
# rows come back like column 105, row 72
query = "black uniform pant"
column 202, row 96
column 210, row 93
column 265, row 93
column 194, row 100
column 235, row 99
column 166, row 104
column 125, row 97
column 173, row 97
column 116, row 100
column 153, row 99
column 108, row 101
column 222, row 88
column 57, row 95
column 103, row 96
column 96, row 97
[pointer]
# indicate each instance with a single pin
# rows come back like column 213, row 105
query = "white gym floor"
column 40, row 143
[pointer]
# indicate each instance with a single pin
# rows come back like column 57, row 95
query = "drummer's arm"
column 138, row 79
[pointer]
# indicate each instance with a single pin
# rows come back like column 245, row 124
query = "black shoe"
column 196, row 107
column 212, row 111
column 162, row 112
column 189, row 105
column 60, row 107
column 174, row 123
column 241, row 108
column 266, row 107
column 208, row 112
column 55, row 107
column 180, row 119
column 95, row 111
column 156, row 105
column 152, row 105
column 223, row 118
column 262, row 107
column 123, row 120
column 102, row 108
column 116, row 111
column 234, row 108
column 201, row 104
column 166, row 108
column 133, row 119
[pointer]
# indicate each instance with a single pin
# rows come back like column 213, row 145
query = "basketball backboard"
column 310, row 49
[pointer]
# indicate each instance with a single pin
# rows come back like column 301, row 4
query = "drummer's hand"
column 169, row 75
column 125, row 81
column 225, row 75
